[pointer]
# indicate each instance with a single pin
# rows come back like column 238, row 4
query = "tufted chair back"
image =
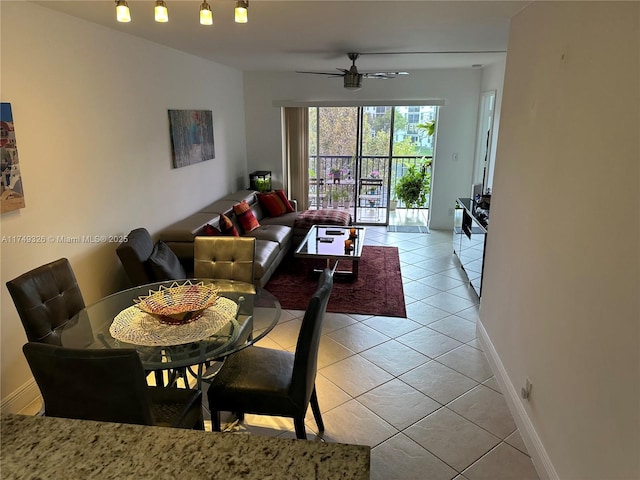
column 230, row 258
column 46, row 298
column 134, row 254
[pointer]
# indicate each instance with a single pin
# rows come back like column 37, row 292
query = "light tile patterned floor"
column 418, row 390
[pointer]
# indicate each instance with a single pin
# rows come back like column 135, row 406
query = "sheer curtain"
column 296, row 148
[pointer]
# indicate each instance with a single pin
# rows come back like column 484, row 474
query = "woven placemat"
column 132, row 325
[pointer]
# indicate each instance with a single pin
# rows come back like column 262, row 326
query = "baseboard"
column 20, row 399
column 539, row 457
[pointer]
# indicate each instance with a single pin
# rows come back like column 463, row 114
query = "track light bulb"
column 241, row 11
column 122, row 11
column 206, row 15
column 161, row 11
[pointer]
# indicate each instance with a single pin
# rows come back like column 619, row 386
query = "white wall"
column 90, row 110
column 561, row 288
column 456, row 122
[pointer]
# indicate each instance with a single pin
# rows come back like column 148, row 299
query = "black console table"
column 469, row 240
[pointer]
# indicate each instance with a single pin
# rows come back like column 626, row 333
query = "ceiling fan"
column 353, row 78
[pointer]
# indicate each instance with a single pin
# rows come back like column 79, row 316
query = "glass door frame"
column 384, row 199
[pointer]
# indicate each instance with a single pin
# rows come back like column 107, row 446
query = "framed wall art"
column 191, row 136
column 11, row 193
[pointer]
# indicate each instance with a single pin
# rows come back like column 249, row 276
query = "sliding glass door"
column 357, row 156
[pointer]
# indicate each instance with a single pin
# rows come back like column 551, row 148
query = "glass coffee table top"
column 332, row 242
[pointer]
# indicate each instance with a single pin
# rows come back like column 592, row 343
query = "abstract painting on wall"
column 11, row 193
column 191, row 136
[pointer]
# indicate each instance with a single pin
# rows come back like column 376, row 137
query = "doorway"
column 358, row 156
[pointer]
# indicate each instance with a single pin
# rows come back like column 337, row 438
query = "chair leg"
column 301, row 431
column 199, row 424
column 315, row 408
column 159, row 378
column 215, row 421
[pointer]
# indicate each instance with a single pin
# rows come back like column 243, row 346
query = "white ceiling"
column 317, row 34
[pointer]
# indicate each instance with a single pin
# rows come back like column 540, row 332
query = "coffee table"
column 330, row 242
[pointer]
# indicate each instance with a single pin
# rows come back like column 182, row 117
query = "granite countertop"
column 58, row 448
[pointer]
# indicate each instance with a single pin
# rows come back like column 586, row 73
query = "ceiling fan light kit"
column 161, row 12
column 353, row 81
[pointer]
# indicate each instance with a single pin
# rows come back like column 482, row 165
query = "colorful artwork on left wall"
column 11, row 193
column 191, row 136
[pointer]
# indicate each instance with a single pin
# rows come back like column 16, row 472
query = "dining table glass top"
column 248, row 314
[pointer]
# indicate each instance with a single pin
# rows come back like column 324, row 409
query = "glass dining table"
column 161, row 347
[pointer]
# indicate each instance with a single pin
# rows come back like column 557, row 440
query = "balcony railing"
column 326, row 172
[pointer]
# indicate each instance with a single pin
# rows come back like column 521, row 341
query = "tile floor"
column 418, row 390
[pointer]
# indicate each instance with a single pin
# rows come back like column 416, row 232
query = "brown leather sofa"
column 274, row 237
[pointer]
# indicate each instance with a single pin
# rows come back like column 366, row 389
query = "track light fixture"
column 206, row 15
column 122, row 11
column 241, row 15
column 161, row 11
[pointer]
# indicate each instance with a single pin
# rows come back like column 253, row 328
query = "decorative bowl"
column 179, row 304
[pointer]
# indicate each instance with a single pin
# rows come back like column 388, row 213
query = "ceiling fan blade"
column 384, row 74
column 435, row 52
column 329, row 74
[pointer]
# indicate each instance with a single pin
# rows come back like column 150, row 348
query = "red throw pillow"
column 245, row 216
column 285, row 200
column 275, row 203
column 227, row 227
column 272, row 203
column 210, row 231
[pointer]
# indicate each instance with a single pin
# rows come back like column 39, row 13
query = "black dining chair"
column 46, row 298
column 266, row 381
column 147, row 262
column 108, row 386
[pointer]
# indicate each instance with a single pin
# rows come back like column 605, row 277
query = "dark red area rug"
column 378, row 290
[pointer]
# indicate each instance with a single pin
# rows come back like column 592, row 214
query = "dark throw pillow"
column 227, row 227
column 210, row 231
column 164, row 264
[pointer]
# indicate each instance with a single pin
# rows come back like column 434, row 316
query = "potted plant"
column 346, row 198
column 262, row 185
column 336, row 195
column 336, row 173
column 414, row 186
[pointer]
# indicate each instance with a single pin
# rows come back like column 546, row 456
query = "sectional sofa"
column 274, row 237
